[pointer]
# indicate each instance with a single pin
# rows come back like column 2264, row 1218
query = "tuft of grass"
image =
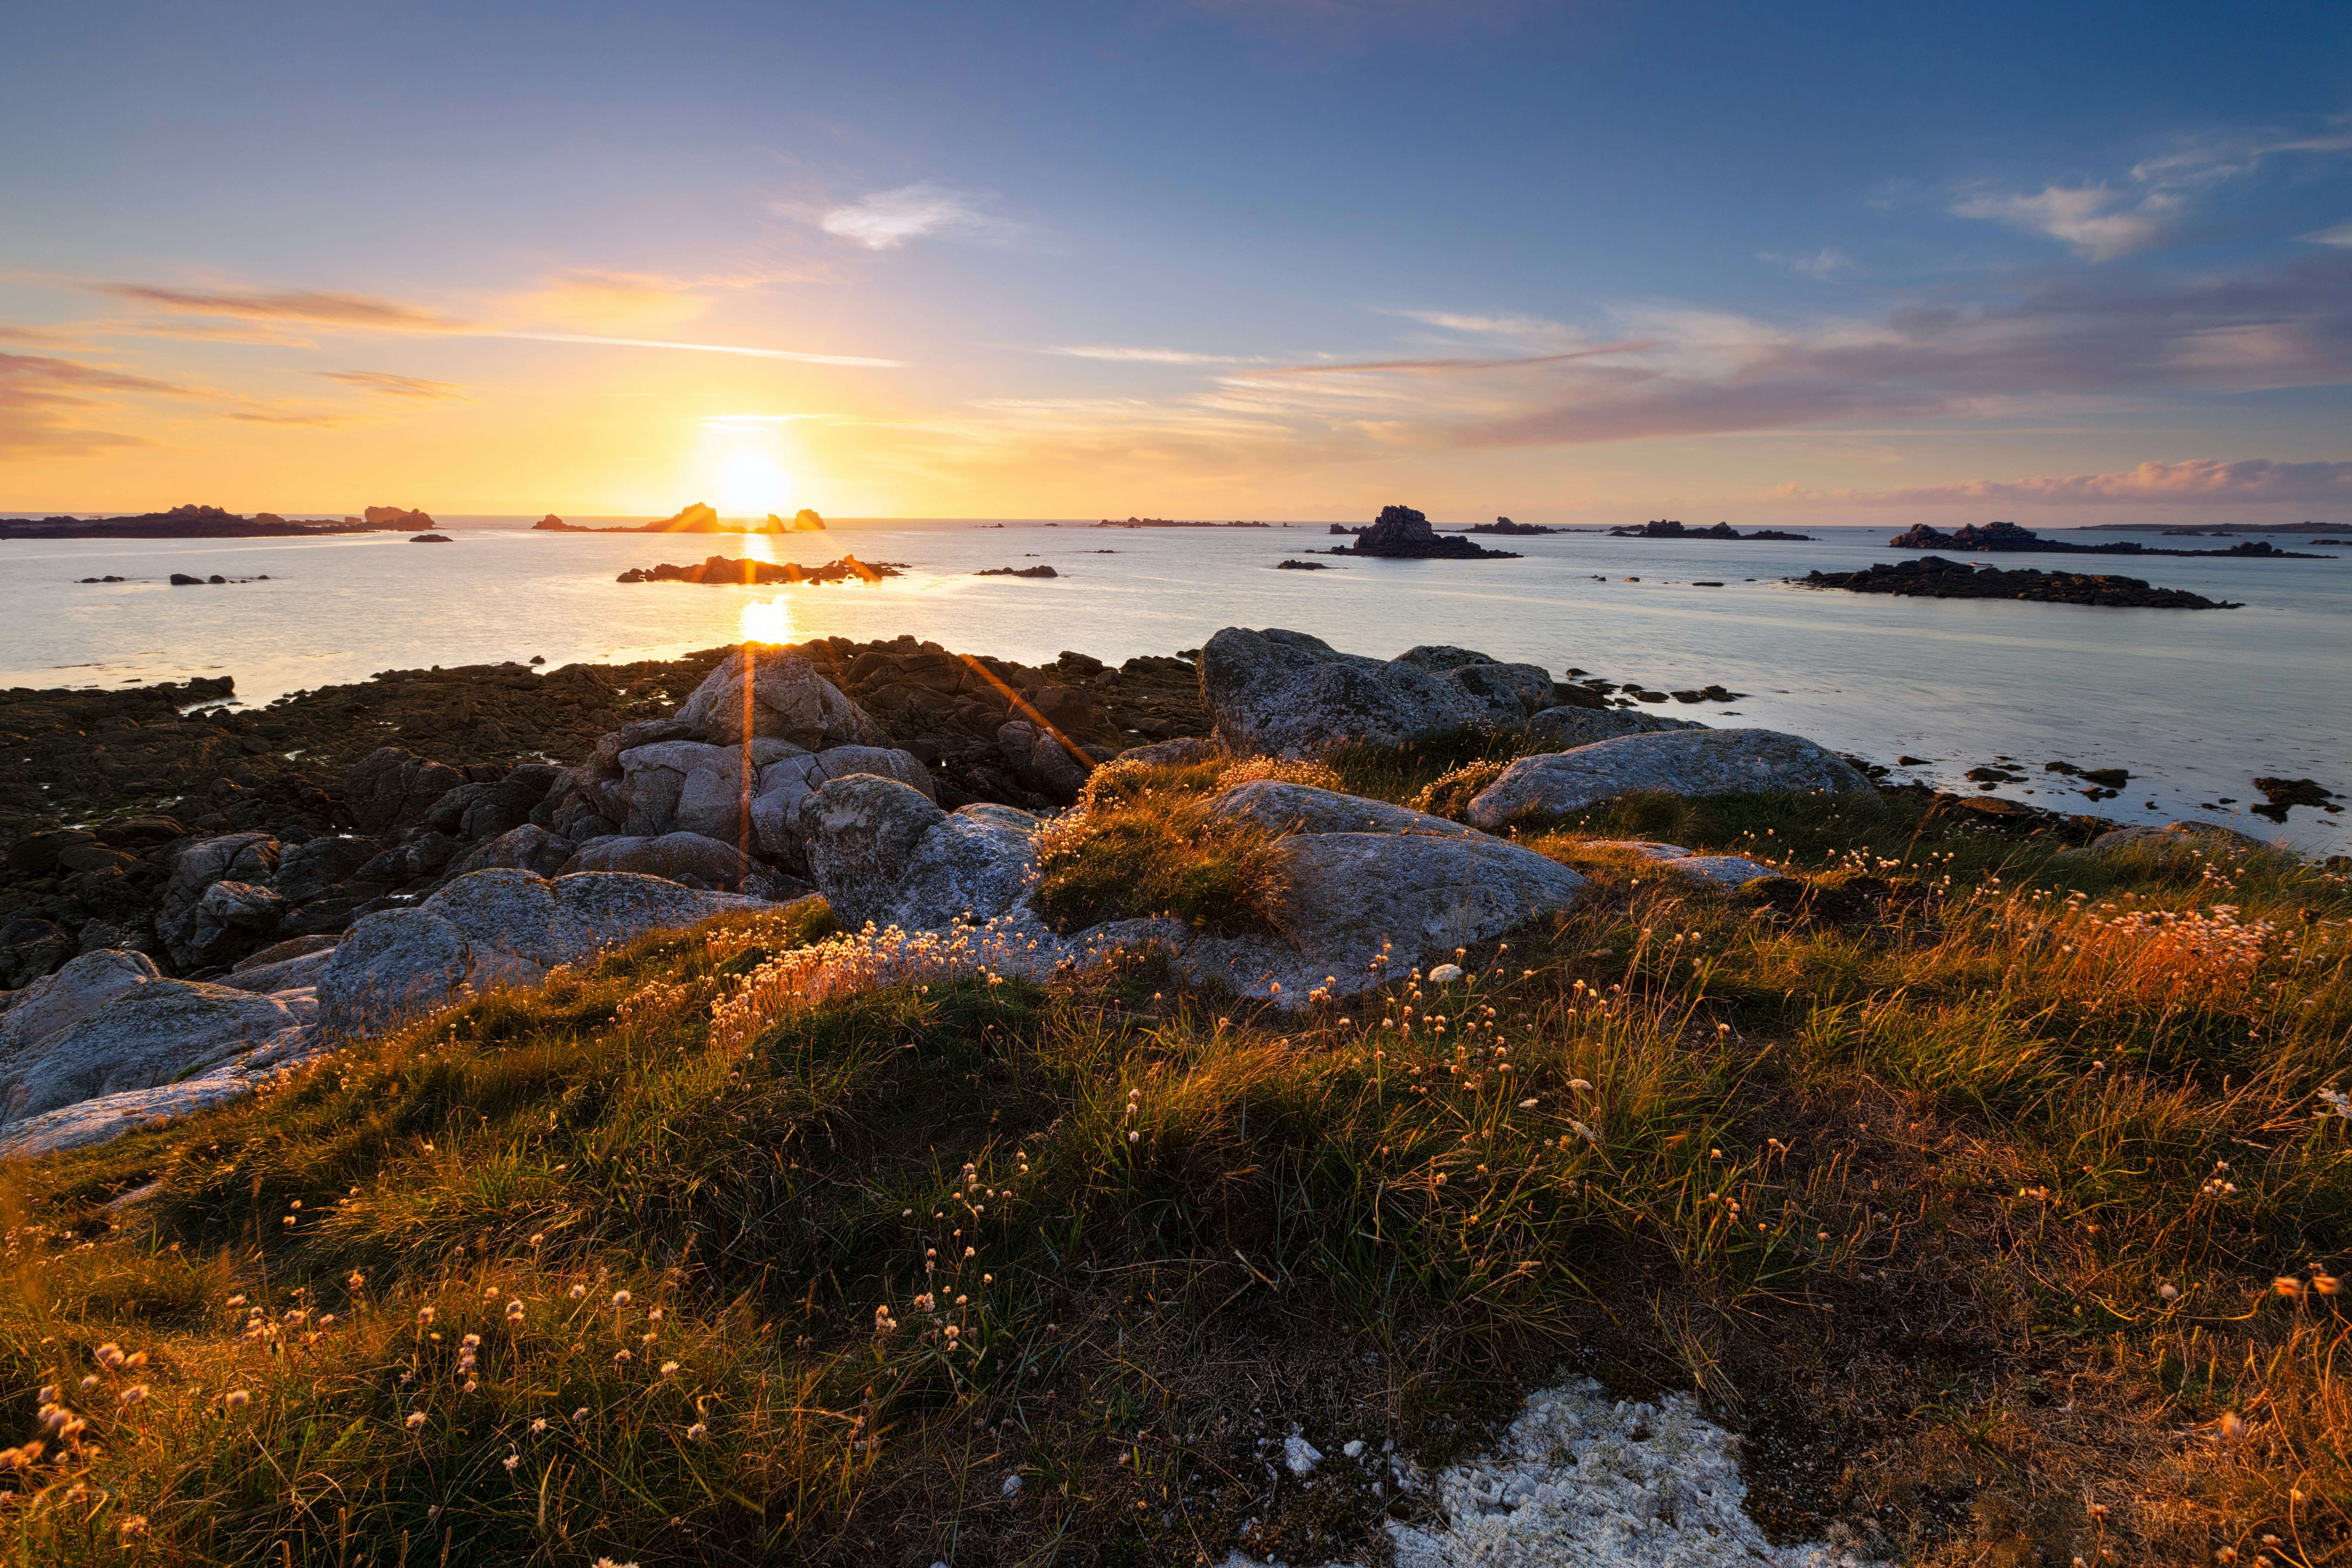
column 1157, row 852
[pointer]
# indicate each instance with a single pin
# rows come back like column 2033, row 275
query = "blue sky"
column 1566, row 262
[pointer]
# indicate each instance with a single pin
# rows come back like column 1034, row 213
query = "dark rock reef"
column 1933, row 577
column 1666, row 527
column 1038, row 571
column 741, row 570
column 695, row 518
column 2008, row 538
column 185, row 522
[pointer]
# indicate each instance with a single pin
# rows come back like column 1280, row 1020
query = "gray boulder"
column 1181, row 753
column 1722, row 870
column 473, row 812
column 775, row 814
column 285, row 974
column 85, row 984
column 880, row 851
column 1568, row 728
column 194, row 935
column 1346, row 894
column 315, row 867
column 529, row 847
column 1685, row 762
column 687, row 787
column 1301, row 808
column 1286, row 694
column 685, row 858
column 391, row 967
column 390, row 789
column 788, row 700
column 149, row 1034
column 2184, row 839
column 110, row 1116
column 1039, row 760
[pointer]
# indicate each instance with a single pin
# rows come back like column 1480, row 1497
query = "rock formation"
column 1544, row 789
column 1286, row 694
column 1401, row 533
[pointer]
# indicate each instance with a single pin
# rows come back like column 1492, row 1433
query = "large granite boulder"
column 492, row 929
column 150, row 1034
column 775, row 813
column 81, row 988
column 1685, row 762
column 473, row 812
column 788, row 700
column 529, row 847
column 390, row 789
column 110, row 1116
column 882, row 852
column 1369, row 890
column 1040, row 760
column 1568, row 728
column 315, row 868
column 197, row 933
column 1286, row 694
column 688, row 859
column 688, row 786
column 1182, row 751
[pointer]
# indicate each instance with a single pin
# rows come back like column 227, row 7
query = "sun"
column 771, row 622
column 750, row 484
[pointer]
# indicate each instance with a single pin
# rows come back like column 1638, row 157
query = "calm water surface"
column 2194, row 703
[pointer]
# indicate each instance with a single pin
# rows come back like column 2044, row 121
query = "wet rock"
column 30, row 948
column 316, row 866
column 1685, row 763
column 197, row 934
column 393, row 789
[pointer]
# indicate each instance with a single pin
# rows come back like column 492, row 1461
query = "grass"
column 1957, row 1173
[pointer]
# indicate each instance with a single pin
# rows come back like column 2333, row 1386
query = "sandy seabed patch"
column 1581, row 1478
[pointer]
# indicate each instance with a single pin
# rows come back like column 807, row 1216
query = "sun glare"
column 751, row 485
column 771, row 622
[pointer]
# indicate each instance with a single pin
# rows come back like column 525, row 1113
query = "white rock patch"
column 1581, row 1478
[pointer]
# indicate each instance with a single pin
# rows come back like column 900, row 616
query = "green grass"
column 1900, row 1165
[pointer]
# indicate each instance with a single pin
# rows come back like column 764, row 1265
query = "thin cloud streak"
column 795, row 355
column 888, row 219
column 326, row 308
column 2190, row 482
column 391, row 386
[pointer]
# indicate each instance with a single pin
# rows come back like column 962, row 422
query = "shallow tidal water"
column 2193, row 703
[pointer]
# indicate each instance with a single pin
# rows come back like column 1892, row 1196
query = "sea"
column 2194, row 705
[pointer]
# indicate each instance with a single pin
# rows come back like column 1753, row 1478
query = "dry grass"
column 1959, row 1182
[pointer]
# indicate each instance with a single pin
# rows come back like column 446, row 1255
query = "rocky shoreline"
column 1401, row 533
column 740, row 572
column 194, row 522
column 1933, row 577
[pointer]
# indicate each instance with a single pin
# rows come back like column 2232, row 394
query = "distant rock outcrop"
column 2009, row 538
column 728, row 569
column 806, row 520
column 395, row 517
column 1668, row 528
column 1401, row 533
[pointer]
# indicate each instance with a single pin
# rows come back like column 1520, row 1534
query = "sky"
column 1572, row 262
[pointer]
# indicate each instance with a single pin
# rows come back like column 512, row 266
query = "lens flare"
column 771, row 622
column 749, row 483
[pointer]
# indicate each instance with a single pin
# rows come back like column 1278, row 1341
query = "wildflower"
column 620, row 1298
column 668, row 1368
column 537, row 1238
column 2169, row 1293
column 423, row 1314
column 514, row 1312
column 2324, row 1283
column 357, row 1281
column 134, row 1395
column 578, row 1291
column 510, row 1461
column 696, row 1432
column 2287, row 1285
column 620, row 1358
column 538, row 1427
column 580, row 1415
column 1527, row 1104
column 135, row 1527
column 416, row 1419
column 236, row 1300
column 110, row 1355
column 2232, row 1424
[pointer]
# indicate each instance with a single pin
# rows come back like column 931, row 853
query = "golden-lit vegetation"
column 1995, row 1193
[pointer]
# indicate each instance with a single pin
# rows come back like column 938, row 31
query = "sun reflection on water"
column 769, row 621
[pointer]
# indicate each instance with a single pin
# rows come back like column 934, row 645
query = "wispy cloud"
column 700, row 348
column 1827, row 265
column 2099, row 223
column 1452, row 366
column 888, row 219
column 325, row 308
column 752, row 421
column 1146, row 355
column 2341, row 234
column 408, row 387
column 2200, row 481
column 48, row 405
